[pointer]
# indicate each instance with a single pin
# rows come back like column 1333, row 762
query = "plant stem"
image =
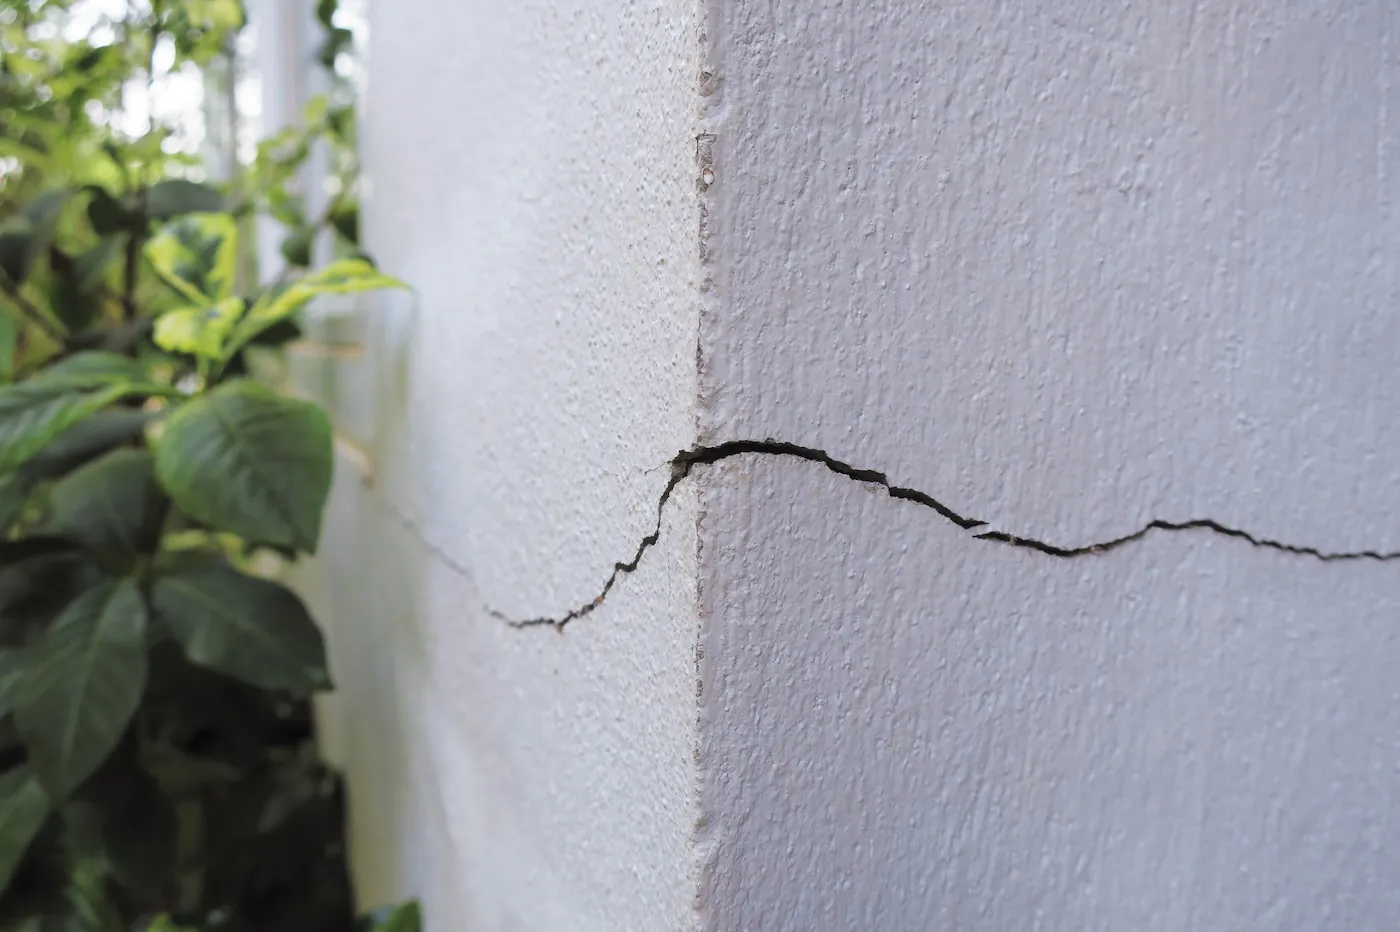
column 27, row 309
column 133, row 267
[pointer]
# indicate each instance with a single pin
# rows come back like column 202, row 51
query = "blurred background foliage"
column 137, row 198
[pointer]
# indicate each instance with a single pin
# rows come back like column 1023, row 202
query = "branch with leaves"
column 157, row 767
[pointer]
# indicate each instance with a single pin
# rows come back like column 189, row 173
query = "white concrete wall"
column 1064, row 268
column 530, row 173
column 1068, row 268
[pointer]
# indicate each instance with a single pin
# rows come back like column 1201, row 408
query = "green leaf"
column 80, row 444
column 346, row 220
column 197, row 255
column 337, row 40
column 107, row 214
column 16, row 234
column 23, row 809
column 12, row 666
column 83, row 685
column 88, row 896
column 199, row 331
column 402, row 918
column 288, row 209
column 9, row 342
column 297, row 860
column 15, row 488
column 77, row 296
column 344, row 277
column 37, row 412
column 45, row 212
column 296, row 248
column 279, row 334
column 28, row 237
column 123, row 339
column 113, row 507
column 250, row 629
column 92, row 264
column 92, row 368
column 219, row 14
column 36, row 899
column 315, row 111
column 176, row 197
column 341, row 122
column 75, row 309
column 246, row 460
column 86, row 441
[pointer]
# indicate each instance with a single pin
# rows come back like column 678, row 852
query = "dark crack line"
column 687, row 460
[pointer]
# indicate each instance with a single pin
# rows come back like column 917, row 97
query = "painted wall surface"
column 530, row 172
column 1066, row 268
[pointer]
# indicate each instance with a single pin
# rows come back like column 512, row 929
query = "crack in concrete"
column 682, row 464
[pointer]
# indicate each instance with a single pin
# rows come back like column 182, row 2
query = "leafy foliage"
column 157, row 769
column 247, row 461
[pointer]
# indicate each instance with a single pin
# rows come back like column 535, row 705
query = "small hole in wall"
column 707, row 176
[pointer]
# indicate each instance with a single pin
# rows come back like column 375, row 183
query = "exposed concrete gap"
column 686, row 460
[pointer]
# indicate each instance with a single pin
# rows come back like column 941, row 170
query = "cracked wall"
column 1027, row 560
column 530, row 171
column 1186, row 734
column 1068, row 269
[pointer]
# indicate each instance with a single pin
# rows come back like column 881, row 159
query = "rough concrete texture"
column 530, row 172
column 1072, row 265
column 1190, row 734
column 1068, row 268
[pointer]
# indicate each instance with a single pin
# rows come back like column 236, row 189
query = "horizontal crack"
column 687, row 460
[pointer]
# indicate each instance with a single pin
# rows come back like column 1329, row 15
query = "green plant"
column 157, row 763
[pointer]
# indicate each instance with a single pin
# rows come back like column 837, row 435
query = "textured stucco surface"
column 1072, row 265
column 1068, row 268
column 523, row 397
column 907, row 729
column 1065, row 267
